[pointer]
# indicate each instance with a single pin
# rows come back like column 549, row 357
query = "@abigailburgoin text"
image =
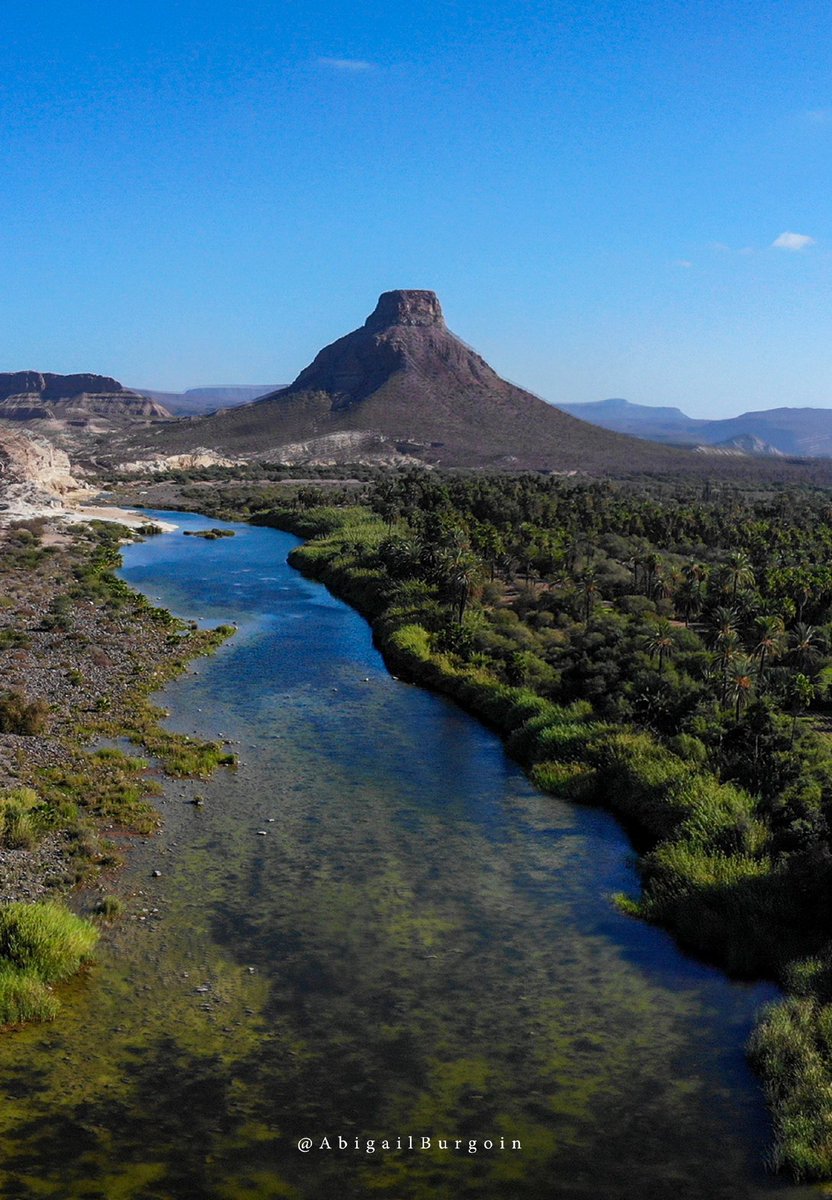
column 422, row 1144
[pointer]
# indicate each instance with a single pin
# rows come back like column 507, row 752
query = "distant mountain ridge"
column 197, row 401
column 796, row 432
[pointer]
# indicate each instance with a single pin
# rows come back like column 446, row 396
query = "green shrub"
column 412, row 641
column 109, row 907
column 689, row 748
column 25, row 718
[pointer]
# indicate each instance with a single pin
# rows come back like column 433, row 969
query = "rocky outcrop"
column 405, row 334
column 370, row 449
column 409, row 307
column 35, row 476
column 26, row 407
column 54, row 387
column 745, row 443
column 178, row 462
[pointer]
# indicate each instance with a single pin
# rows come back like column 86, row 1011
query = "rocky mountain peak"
column 405, row 307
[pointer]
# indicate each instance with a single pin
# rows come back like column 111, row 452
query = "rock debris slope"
column 35, row 476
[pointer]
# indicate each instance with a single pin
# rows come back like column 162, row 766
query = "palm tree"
column 805, row 643
column 804, row 595
column 462, row 570
column 802, row 694
column 730, row 648
column 650, row 564
column 738, row 572
column 769, row 645
column 660, row 642
column 695, row 573
column 726, row 641
column 400, row 555
column 689, row 594
column 740, row 683
column 724, row 623
column 589, row 590
column 663, row 582
column 492, row 548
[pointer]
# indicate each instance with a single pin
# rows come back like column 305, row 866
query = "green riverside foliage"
column 40, row 945
column 664, row 655
column 791, row 1048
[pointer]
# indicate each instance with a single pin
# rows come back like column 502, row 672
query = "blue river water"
column 374, row 928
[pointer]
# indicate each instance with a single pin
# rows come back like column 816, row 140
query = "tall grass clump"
column 18, row 825
column 40, row 945
column 45, row 940
column 791, row 1048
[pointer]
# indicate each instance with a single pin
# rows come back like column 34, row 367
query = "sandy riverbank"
column 124, row 516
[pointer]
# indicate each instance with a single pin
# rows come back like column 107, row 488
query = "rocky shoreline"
column 79, row 655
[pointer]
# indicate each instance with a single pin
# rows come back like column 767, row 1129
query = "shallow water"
column 419, row 944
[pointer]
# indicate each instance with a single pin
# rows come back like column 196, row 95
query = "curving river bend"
column 418, row 944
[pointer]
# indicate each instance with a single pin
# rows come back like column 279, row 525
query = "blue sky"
column 209, row 192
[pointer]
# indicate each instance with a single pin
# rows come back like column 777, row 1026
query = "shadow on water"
column 374, row 928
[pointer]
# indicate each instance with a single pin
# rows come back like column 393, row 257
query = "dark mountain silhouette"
column 404, row 386
column 802, row 432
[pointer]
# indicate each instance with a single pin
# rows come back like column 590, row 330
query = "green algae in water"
column 420, row 944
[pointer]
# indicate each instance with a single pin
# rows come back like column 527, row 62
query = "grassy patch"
column 109, row 908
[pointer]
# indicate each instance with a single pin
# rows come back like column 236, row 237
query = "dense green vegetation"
column 664, row 653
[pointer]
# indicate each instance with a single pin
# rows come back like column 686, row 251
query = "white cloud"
column 346, row 64
column 818, row 116
column 683, row 262
column 793, row 241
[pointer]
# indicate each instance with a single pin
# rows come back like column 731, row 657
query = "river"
column 374, row 928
